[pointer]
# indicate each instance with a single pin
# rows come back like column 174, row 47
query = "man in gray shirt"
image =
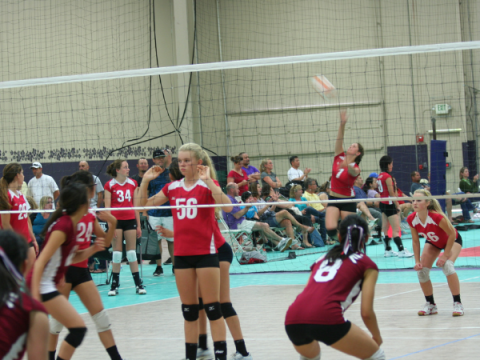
column 97, row 200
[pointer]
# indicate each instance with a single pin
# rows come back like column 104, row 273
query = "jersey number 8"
column 190, row 213
column 326, row 271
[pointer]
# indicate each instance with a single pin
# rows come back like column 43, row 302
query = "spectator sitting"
column 466, row 185
column 295, row 174
column 268, row 176
column 252, row 213
column 236, row 220
column 238, row 175
column 33, row 206
column 415, row 176
column 323, row 191
column 255, row 188
column 362, row 205
column 370, row 187
column 315, row 209
column 252, row 171
column 46, row 203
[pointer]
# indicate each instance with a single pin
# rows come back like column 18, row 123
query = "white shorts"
column 166, row 222
column 246, row 225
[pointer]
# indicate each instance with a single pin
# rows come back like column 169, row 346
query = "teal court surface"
column 151, row 326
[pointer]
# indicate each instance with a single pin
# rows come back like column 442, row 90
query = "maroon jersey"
column 431, row 230
column 58, row 264
column 19, row 222
column 84, row 234
column 331, row 289
column 382, row 186
column 122, row 197
column 237, row 178
column 14, row 325
column 342, row 181
column 196, row 229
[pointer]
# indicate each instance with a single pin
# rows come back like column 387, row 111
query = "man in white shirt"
column 97, row 200
column 295, row 173
column 41, row 185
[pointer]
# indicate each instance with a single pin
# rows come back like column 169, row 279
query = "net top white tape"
column 238, row 64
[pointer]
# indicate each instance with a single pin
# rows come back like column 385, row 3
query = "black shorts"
column 77, row 275
column 303, row 334
column 197, row 261
column 50, row 296
column 225, row 253
column 458, row 240
column 126, row 225
column 388, row 209
column 349, row 207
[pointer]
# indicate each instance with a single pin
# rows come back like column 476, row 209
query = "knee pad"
column 55, row 326
column 314, row 358
column 117, row 257
column 227, row 310
column 213, row 311
column 379, row 355
column 200, row 304
column 424, row 275
column 448, row 268
column 101, row 320
column 131, row 255
column 75, row 336
column 190, row 312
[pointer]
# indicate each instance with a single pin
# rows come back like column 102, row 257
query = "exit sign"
column 442, row 109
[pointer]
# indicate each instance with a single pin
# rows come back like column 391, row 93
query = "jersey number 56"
column 190, row 213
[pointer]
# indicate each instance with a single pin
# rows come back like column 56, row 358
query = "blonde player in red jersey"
column 429, row 220
column 12, row 199
column 78, row 276
column 196, row 229
column 390, row 209
column 344, row 172
column 59, row 251
column 318, row 313
column 120, row 193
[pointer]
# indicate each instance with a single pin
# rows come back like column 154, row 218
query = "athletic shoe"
column 158, row 271
column 113, row 290
column 141, row 290
column 404, row 254
column 457, row 309
column 238, row 356
column 390, row 253
column 428, row 309
column 372, row 223
column 168, row 262
column 204, row 354
column 284, row 244
column 373, row 242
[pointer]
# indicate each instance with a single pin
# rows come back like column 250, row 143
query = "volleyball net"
column 93, row 81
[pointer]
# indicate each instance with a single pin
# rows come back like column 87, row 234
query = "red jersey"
column 382, row 186
column 400, row 194
column 196, row 229
column 84, row 234
column 14, row 325
column 431, row 230
column 19, row 222
column 237, row 178
column 331, row 289
column 342, row 181
column 122, row 197
column 58, row 264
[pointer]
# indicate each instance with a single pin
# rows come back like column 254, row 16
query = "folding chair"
column 236, row 238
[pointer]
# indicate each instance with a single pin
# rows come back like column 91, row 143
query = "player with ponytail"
column 23, row 320
column 197, row 238
column 429, row 221
column 337, row 278
column 78, row 276
column 12, row 199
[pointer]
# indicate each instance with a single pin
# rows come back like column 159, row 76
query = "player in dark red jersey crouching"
column 317, row 314
column 430, row 221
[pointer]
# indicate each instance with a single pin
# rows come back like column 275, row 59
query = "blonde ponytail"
column 262, row 165
column 434, row 205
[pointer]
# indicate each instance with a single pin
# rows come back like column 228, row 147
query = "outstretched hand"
column 203, row 172
column 152, row 173
column 99, row 244
column 343, row 116
column 164, row 232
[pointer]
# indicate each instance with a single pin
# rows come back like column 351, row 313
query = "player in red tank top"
column 12, row 199
column 120, row 193
column 344, row 172
column 78, row 276
column 430, row 221
column 23, row 320
column 390, row 209
column 59, row 251
column 195, row 232
column 337, row 279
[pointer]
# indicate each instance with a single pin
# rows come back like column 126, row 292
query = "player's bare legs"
column 356, row 343
column 233, row 322
column 117, row 246
column 186, row 280
column 53, row 338
column 310, row 351
column 131, row 244
column 429, row 255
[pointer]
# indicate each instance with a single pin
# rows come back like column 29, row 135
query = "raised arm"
column 217, row 193
column 341, row 132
